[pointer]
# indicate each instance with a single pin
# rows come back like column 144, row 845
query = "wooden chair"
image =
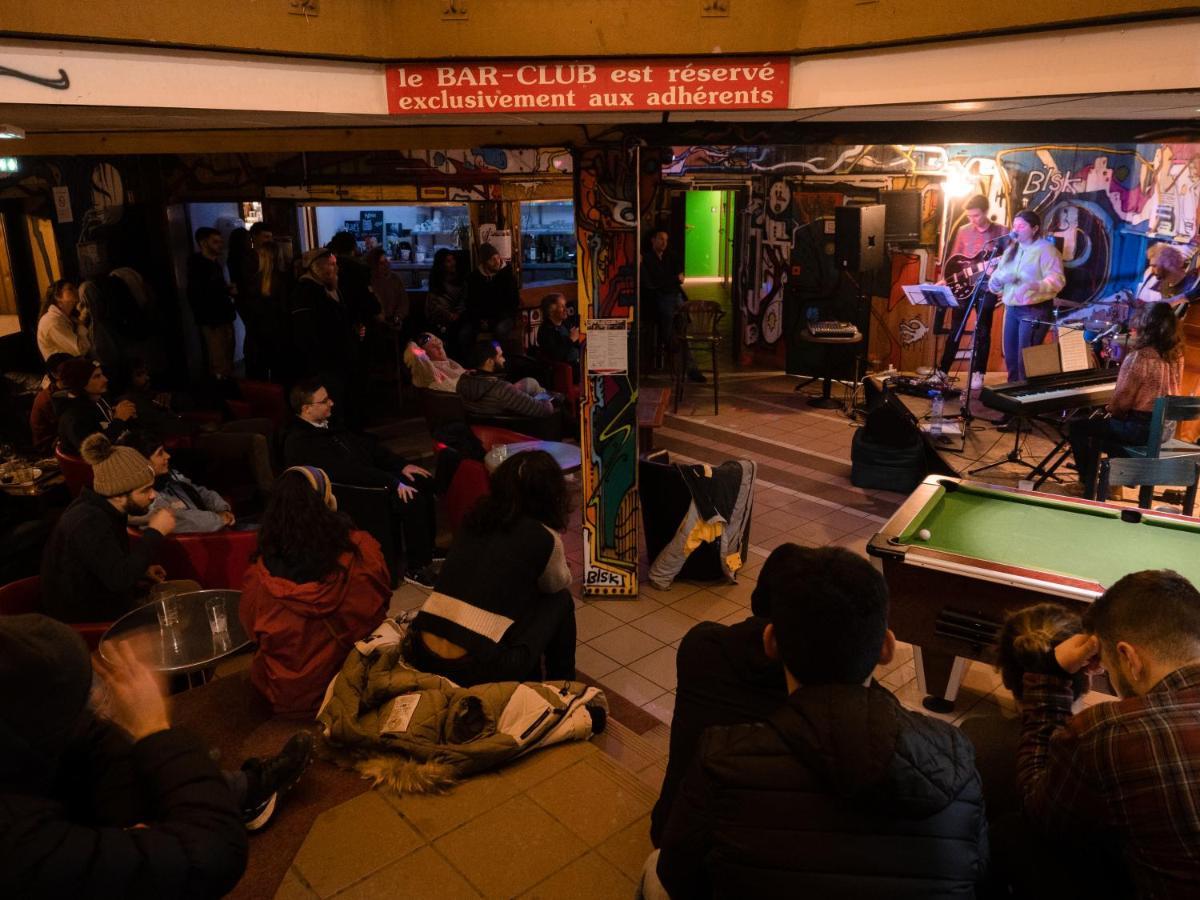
column 25, row 596
column 1152, row 472
column 697, row 328
column 1166, row 410
column 76, row 473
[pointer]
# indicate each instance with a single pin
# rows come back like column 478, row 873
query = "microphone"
column 1010, row 236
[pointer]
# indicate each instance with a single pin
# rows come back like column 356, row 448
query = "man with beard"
column 485, row 393
column 326, row 334
column 1119, row 780
column 89, row 571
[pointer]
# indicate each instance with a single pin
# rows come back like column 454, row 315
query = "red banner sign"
column 637, row 85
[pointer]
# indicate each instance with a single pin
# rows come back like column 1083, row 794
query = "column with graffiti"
column 606, row 218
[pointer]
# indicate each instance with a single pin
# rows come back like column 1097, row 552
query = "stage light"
column 957, row 184
column 11, row 133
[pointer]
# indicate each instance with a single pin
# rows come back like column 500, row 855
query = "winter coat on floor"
column 304, row 631
column 419, row 732
column 841, row 793
column 73, row 787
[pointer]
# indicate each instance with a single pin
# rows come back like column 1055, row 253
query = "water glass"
column 214, row 607
column 167, row 606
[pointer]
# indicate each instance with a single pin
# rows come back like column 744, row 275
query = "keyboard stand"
column 1014, row 455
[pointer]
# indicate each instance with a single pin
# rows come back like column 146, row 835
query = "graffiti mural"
column 606, row 217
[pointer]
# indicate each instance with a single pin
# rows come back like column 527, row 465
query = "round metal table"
column 190, row 646
column 825, row 401
column 567, row 456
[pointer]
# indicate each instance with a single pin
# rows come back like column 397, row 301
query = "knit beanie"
column 76, row 373
column 115, row 470
column 45, row 678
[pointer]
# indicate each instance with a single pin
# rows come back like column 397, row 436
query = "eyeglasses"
column 316, row 402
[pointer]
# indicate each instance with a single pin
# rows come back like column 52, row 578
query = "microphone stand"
column 965, row 405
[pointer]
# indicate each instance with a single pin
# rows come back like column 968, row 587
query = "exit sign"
column 8, row 164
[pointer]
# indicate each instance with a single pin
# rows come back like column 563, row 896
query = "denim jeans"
column 1024, row 326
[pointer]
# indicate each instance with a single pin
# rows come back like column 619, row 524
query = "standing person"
column 323, row 326
column 1154, row 369
column 972, row 242
column 60, row 329
column 1028, row 277
column 1119, row 779
column 493, row 298
column 388, row 288
column 502, row 600
column 89, row 571
column 556, row 340
column 259, row 293
column 354, row 278
column 81, row 408
column 842, row 792
column 662, row 290
column 317, row 585
column 446, row 304
column 210, row 295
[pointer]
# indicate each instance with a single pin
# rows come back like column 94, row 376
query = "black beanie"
column 45, row 680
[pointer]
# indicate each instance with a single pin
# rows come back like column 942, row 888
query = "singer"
column 1029, row 276
column 1154, row 369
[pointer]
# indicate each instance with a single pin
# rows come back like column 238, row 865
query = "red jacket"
column 295, row 625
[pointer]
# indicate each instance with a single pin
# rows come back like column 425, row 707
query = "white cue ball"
column 923, row 534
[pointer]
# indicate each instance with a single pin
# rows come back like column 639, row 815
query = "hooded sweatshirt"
column 841, row 793
column 72, row 786
column 304, row 630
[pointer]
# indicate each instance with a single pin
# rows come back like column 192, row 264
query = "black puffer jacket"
column 842, row 793
column 73, row 787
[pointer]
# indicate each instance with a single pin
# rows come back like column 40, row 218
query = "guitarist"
column 973, row 241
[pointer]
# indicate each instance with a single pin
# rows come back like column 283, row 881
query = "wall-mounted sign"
column 654, row 85
column 62, row 204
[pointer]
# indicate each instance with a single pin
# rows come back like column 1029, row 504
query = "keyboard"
column 832, row 329
column 1052, row 393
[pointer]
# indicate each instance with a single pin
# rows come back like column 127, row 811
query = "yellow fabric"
column 703, row 532
column 733, row 562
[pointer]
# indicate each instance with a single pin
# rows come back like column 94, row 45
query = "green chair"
column 1148, row 473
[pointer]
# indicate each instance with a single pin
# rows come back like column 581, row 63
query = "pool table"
column 959, row 556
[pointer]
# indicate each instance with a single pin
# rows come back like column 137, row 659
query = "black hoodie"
column 842, row 793
column 72, row 787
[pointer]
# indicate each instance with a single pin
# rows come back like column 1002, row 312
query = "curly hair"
column 528, row 484
column 1027, row 636
column 300, row 533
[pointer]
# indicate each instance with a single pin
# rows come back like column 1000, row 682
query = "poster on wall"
column 607, row 346
column 370, row 221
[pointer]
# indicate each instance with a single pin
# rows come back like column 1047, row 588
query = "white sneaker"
column 977, row 381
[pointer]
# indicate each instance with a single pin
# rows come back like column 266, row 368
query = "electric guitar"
column 961, row 272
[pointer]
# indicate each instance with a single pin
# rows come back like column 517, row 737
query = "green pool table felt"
column 1053, row 535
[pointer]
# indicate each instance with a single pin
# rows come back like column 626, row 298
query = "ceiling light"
column 11, row 133
column 8, row 164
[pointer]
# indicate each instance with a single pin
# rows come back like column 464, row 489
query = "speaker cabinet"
column 859, row 237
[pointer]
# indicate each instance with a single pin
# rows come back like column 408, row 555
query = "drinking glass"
column 214, row 607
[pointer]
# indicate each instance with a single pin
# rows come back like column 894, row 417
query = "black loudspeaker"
column 859, row 238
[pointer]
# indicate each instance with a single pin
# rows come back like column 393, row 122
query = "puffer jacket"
column 841, row 793
column 379, row 704
column 304, row 631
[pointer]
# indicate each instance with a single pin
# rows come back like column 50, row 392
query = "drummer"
column 1153, row 369
column 1166, row 277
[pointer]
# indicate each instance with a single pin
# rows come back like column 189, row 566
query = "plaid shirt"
column 1129, row 769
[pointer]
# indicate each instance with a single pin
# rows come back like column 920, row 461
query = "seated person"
column 431, row 368
column 89, row 571
column 842, row 792
column 1166, row 276
column 555, row 340
column 317, row 586
column 83, row 411
column 1125, row 772
column 196, row 508
column 1154, row 369
column 485, row 393
column 43, row 420
column 724, row 678
column 359, row 460
column 502, row 599
column 100, row 796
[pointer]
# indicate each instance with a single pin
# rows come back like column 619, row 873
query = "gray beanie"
column 115, row 470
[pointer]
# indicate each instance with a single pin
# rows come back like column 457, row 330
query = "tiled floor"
column 572, row 821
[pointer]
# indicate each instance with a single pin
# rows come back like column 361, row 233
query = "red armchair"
column 266, row 401
column 76, row 473
column 470, row 482
column 217, row 559
column 563, row 381
column 25, row 596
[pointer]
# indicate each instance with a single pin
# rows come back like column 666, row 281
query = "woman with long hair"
column 1153, row 369
column 317, row 585
column 501, row 602
column 1027, row 279
column 60, row 326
